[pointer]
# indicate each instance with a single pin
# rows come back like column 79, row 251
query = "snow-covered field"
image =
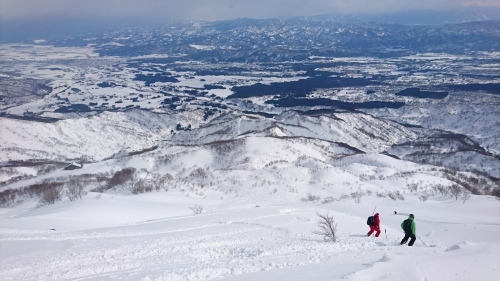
column 156, row 236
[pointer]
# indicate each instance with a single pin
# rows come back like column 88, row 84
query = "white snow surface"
column 155, row 236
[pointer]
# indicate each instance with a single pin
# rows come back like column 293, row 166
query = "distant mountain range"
column 273, row 40
column 29, row 30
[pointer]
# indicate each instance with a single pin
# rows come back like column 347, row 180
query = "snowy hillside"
column 361, row 131
column 155, row 236
column 247, row 208
column 460, row 114
column 91, row 138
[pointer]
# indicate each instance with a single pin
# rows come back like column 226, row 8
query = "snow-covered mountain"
column 359, row 130
column 206, row 151
column 92, row 138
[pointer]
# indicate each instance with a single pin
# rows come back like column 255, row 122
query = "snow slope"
column 156, row 237
column 255, row 223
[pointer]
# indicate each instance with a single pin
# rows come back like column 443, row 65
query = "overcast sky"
column 171, row 10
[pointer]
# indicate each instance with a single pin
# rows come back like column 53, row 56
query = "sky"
column 174, row 10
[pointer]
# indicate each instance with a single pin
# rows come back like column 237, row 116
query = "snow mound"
column 458, row 246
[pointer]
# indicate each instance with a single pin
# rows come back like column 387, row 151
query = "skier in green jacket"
column 410, row 229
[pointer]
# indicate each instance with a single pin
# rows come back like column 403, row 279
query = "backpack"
column 370, row 220
column 407, row 226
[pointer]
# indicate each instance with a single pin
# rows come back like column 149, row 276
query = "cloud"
column 170, row 10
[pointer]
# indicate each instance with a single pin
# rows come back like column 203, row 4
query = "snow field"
column 156, row 237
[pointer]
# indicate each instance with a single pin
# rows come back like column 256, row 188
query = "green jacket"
column 413, row 226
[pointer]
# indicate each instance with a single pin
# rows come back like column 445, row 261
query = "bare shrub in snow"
column 443, row 190
column 197, row 209
column 413, row 187
column 399, row 195
column 162, row 182
column 423, row 197
column 75, row 190
column 101, row 180
column 140, row 186
column 465, row 195
column 225, row 147
column 155, row 181
column 84, row 179
column 311, row 198
column 343, row 197
column 122, row 177
column 357, row 196
column 380, row 194
column 51, row 194
column 429, row 191
column 14, row 197
column 392, row 196
column 199, row 173
column 327, row 227
column 496, row 192
column 47, row 168
column 148, row 186
column 455, row 190
column 328, row 200
column 395, row 195
column 10, row 198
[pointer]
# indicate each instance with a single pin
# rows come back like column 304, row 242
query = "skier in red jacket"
column 375, row 226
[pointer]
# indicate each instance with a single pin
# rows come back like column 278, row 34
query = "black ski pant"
column 407, row 236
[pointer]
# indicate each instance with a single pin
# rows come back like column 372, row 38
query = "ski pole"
column 422, row 241
column 385, row 234
column 374, row 210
